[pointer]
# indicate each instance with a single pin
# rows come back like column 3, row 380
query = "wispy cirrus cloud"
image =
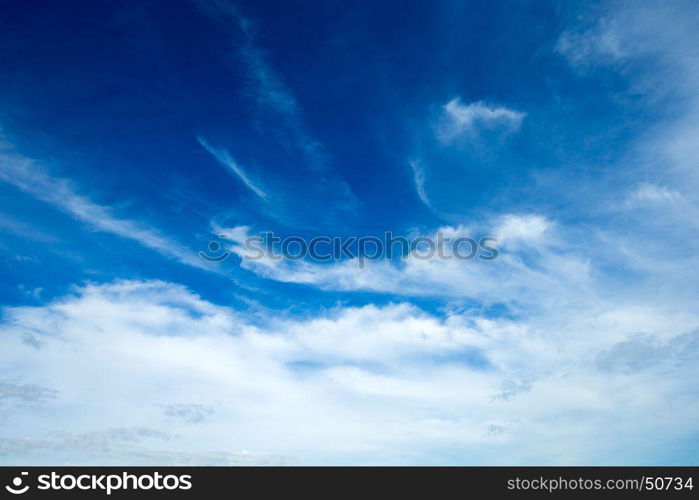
column 651, row 47
column 419, row 180
column 533, row 261
column 462, row 144
column 25, row 393
column 647, row 192
column 225, row 159
column 271, row 96
column 32, row 177
column 597, row 44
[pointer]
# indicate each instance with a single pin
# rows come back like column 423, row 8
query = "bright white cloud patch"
column 114, row 362
column 466, row 121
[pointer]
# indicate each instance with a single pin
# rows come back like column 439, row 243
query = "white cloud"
column 526, row 228
column 599, row 44
column 225, row 159
column 533, row 267
column 466, row 121
column 647, row 192
column 419, row 180
column 271, row 94
column 462, row 137
column 371, row 384
column 31, row 177
column 652, row 43
column 116, row 446
column 588, row 354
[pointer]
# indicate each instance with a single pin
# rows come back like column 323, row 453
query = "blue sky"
column 133, row 133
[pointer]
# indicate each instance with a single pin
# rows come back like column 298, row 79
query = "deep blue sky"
column 116, row 93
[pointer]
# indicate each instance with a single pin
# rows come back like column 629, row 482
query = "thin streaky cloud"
column 270, row 93
column 32, row 178
column 278, row 115
column 419, row 179
column 225, row 159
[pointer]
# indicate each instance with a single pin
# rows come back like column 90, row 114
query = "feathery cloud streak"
column 31, row 177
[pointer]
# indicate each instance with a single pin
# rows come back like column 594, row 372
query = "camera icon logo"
column 16, row 487
column 214, row 247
